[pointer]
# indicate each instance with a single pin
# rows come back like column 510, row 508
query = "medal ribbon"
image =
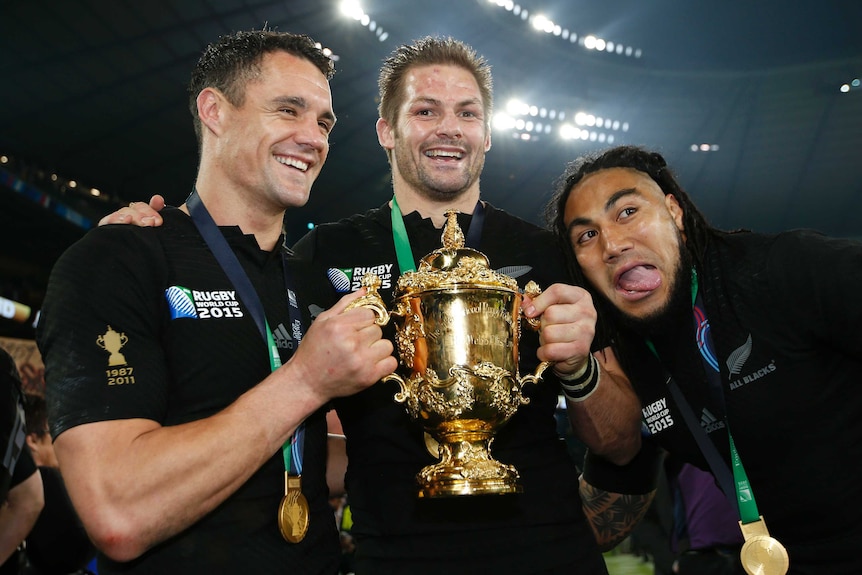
column 744, row 494
column 293, row 449
column 761, row 553
column 744, row 501
column 403, row 251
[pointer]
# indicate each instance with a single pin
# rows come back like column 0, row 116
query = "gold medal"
column 293, row 510
column 762, row 554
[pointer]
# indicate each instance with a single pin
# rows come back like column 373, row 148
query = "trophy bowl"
column 457, row 325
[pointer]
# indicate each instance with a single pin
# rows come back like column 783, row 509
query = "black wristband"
column 639, row 476
column 581, row 387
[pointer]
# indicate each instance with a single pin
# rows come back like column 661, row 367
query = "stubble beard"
column 427, row 185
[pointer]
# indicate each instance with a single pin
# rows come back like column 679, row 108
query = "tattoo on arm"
column 612, row 516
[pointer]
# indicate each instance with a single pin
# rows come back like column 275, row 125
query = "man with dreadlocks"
column 743, row 348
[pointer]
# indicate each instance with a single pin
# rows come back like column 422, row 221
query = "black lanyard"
column 734, row 483
column 293, row 449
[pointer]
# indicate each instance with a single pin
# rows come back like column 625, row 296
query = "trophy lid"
column 454, row 265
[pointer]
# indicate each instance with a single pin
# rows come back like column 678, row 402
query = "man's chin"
column 655, row 318
column 646, row 323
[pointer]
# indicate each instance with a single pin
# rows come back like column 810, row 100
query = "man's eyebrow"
column 301, row 103
column 470, row 102
column 612, row 200
column 429, row 101
column 295, row 101
column 617, row 196
column 425, row 101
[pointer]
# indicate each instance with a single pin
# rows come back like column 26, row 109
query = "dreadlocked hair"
column 650, row 163
column 697, row 230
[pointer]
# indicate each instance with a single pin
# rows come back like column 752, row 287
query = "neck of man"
column 229, row 208
column 410, row 201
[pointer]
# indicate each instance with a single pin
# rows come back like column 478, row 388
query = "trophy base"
column 467, row 468
column 451, row 487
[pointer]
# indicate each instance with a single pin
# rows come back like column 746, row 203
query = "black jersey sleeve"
column 99, row 330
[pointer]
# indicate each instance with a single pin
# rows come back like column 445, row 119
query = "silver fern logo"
column 515, row 271
column 181, row 302
column 737, row 359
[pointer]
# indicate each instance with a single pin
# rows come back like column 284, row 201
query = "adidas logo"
column 709, row 423
column 282, row 338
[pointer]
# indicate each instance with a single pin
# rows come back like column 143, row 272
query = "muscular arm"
column 609, row 420
column 19, row 513
column 616, row 497
column 135, row 483
column 612, row 516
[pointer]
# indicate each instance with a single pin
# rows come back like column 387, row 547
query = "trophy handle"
column 402, row 395
column 371, row 299
column 532, row 289
column 536, row 376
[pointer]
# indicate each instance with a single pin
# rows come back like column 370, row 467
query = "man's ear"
column 32, row 441
column 211, row 104
column 675, row 210
column 384, row 134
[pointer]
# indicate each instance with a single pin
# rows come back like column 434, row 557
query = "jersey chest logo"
column 202, row 304
column 346, row 280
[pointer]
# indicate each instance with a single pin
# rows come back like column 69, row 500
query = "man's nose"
column 450, row 125
column 615, row 243
column 311, row 135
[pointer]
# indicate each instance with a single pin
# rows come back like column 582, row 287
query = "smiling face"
column 272, row 147
column 439, row 142
column 627, row 237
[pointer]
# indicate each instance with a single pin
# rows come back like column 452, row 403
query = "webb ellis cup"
column 457, row 328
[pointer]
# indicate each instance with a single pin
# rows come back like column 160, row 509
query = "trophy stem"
column 467, row 468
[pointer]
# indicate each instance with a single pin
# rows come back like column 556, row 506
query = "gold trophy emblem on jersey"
column 113, row 342
column 457, row 331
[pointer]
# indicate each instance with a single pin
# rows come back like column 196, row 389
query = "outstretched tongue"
column 640, row 278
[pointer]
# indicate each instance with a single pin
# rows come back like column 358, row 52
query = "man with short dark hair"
column 184, row 383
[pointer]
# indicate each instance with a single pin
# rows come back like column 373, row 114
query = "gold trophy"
column 457, row 330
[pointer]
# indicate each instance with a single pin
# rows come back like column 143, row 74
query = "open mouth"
column 638, row 281
column 445, row 154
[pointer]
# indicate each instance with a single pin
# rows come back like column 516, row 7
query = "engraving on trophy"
column 457, row 326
